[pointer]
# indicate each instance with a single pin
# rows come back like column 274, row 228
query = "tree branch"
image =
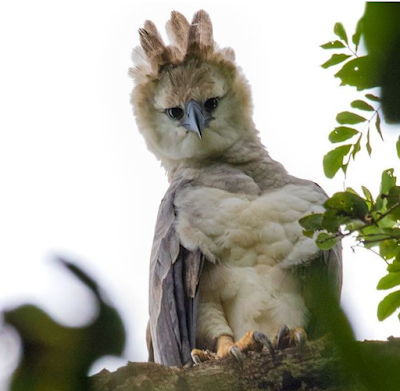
column 316, row 367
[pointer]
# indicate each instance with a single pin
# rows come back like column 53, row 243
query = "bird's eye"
column 175, row 112
column 211, row 104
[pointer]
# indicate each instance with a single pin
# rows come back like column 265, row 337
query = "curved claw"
column 299, row 337
column 282, row 338
column 199, row 356
column 265, row 341
column 196, row 359
column 239, row 356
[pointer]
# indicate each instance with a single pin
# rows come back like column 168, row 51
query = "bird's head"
column 190, row 100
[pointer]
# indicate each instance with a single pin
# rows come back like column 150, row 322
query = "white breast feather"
column 251, row 239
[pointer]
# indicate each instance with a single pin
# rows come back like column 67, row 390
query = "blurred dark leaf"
column 340, row 31
column 342, row 133
column 333, row 160
column 381, row 31
column 333, row 45
column 361, row 105
column 335, row 59
column 349, row 118
column 57, row 358
column 360, row 73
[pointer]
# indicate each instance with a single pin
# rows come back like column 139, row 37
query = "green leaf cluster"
column 375, row 223
column 352, row 126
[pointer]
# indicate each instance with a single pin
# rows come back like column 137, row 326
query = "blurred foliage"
column 373, row 222
column 57, row 358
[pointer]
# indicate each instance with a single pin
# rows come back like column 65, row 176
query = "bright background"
column 77, row 179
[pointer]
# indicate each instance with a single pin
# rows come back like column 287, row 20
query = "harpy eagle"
column 229, row 266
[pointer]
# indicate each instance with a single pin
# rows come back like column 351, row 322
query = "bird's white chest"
column 247, row 230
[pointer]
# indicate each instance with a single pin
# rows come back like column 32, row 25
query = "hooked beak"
column 195, row 119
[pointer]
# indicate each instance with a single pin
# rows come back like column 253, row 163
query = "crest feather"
column 178, row 30
column 187, row 39
column 201, row 33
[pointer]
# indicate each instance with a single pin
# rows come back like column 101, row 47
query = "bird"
column 230, row 267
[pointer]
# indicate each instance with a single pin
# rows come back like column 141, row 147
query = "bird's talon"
column 299, row 337
column 265, row 341
column 282, row 339
column 199, row 356
column 239, row 356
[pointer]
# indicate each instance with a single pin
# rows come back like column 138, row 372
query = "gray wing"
column 174, row 277
column 322, row 284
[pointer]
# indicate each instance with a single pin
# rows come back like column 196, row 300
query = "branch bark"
column 316, row 367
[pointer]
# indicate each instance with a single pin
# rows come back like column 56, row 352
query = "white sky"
column 76, row 176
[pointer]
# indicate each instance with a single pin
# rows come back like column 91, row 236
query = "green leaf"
column 389, row 281
column 326, row 241
column 388, row 249
column 372, row 97
column 333, row 219
column 361, row 72
column 393, row 200
column 334, row 60
column 355, row 225
column 367, row 194
column 351, row 190
column 388, row 181
column 346, row 117
column 333, row 45
column 368, row 144
column 348, row 204
column 398, row 147
column 388, row 305
column 356, row 147
column 357, row 35
column 333, row 160
column 342, row 133
column 340, row 31
column 394, row 267
column 378, row 125
column 361, row 105
column 308, row 233
column 312, row 222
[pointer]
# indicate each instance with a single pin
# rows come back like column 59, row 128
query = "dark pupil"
column 211, row 104
column 175, row 112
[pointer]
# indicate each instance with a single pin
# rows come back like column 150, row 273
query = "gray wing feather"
column 174, row 277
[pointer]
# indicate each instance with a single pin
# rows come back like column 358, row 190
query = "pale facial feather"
column 176, row 86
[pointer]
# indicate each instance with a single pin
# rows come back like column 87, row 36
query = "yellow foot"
column 288, row 338
column 251, row 341
column 226, row 346
column 199, row 356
